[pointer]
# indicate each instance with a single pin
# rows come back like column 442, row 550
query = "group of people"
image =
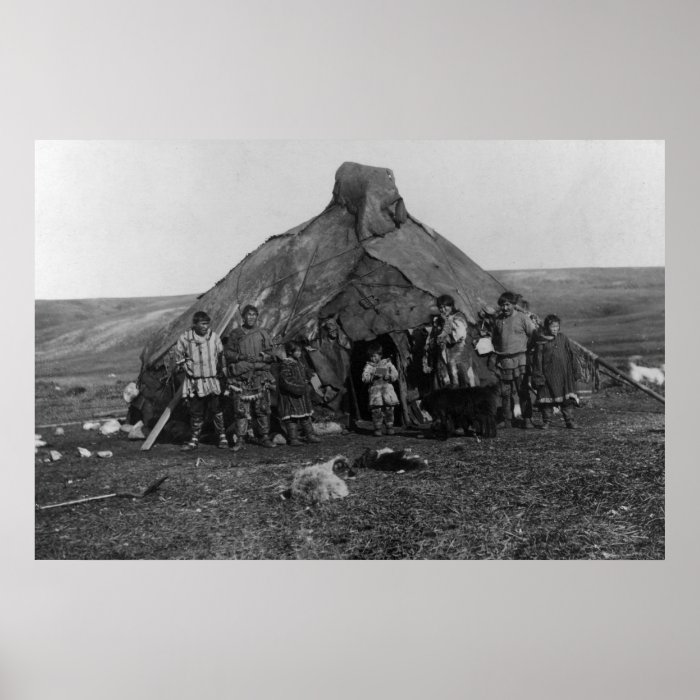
column 533, row 356
column 240, row 372
column 523, row 356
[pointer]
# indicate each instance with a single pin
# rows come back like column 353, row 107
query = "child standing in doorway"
column 554, row 373
column 379, row 373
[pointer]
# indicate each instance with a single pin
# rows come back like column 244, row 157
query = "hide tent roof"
column 364, row 259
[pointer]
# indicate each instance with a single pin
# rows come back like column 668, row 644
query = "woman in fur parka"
column 293, row 402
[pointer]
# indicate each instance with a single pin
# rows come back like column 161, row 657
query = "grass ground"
column 596, row 493
column 78, row 399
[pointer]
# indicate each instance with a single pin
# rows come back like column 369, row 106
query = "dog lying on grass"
column 388, row 460
column 464, row 407
column 320, row 483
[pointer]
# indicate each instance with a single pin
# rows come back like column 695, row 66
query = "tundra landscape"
column 594, row 493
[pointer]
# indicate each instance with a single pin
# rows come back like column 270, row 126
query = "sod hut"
column 364, row 260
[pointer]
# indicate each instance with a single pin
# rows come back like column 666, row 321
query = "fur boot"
column 547, row 413
column 377, row 420
column 388, row 414
column 196, row 425
column 307, row 429
column 292, row 430
column 264, row 428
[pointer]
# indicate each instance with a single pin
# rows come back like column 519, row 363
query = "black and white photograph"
column 357, row 340
column 350, row 350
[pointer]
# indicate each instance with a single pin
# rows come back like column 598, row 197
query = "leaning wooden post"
column 620, row 374
column 165, row 416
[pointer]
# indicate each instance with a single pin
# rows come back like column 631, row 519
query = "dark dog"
column 468, row 407
column 388, row 460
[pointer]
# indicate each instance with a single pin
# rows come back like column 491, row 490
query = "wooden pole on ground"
column 165, row 416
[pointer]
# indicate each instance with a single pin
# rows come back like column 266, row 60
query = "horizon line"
column 519, row 269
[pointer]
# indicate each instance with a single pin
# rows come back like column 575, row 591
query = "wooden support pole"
column 631, row 381
column 164, row 418
column 621, row 375
column 353, row 393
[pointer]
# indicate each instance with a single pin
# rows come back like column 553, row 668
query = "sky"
column 159, row 218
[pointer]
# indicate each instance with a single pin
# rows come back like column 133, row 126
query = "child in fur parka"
column 293, row 404
column 555, row 372
column 379, row 373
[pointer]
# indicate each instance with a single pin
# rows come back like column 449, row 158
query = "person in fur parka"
column 379, row 373
column 249, row 354
column 555, row 372
column 293, row 401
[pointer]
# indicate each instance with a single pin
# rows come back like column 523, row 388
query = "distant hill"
column 87, row 336
column 616, row 312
